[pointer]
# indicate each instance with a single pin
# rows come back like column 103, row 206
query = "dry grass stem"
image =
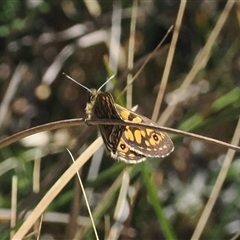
column 115, row 50
column 146, row 59
column 14, row 204
column 76, row 122
column 40, row 227
column 36, row 173
column 45, row 127
column 56, row 188
column 84, row 195
column 199, row 63
column 120, row 206
column 164, row 80
column 11, row 90
column 104, row 203
column 131, row 50
column 217, row 186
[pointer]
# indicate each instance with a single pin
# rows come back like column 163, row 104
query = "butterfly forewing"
column 104, row 108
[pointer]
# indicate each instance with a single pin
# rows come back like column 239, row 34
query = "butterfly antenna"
column 76, row 82
column 108, row 80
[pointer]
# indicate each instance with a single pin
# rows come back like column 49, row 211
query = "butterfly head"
column 91, row 102
column 93, row 95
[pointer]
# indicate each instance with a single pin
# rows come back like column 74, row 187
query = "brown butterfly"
column 126, row 143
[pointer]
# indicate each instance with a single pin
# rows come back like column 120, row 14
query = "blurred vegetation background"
column 41, row 39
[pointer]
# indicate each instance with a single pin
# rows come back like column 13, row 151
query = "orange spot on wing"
column 125, row 114
column 136, row 119
column 147, row 143
column 149, row 131
column 143, row 133
column 129, row 134
column 138, row 136
column 152, row 141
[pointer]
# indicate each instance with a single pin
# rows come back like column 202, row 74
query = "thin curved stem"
column 76, row 122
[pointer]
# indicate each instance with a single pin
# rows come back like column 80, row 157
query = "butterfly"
column 126, row 143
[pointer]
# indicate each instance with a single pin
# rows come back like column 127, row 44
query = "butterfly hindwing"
column 146, row 141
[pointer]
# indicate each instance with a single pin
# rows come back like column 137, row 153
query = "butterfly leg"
column 86, row 121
